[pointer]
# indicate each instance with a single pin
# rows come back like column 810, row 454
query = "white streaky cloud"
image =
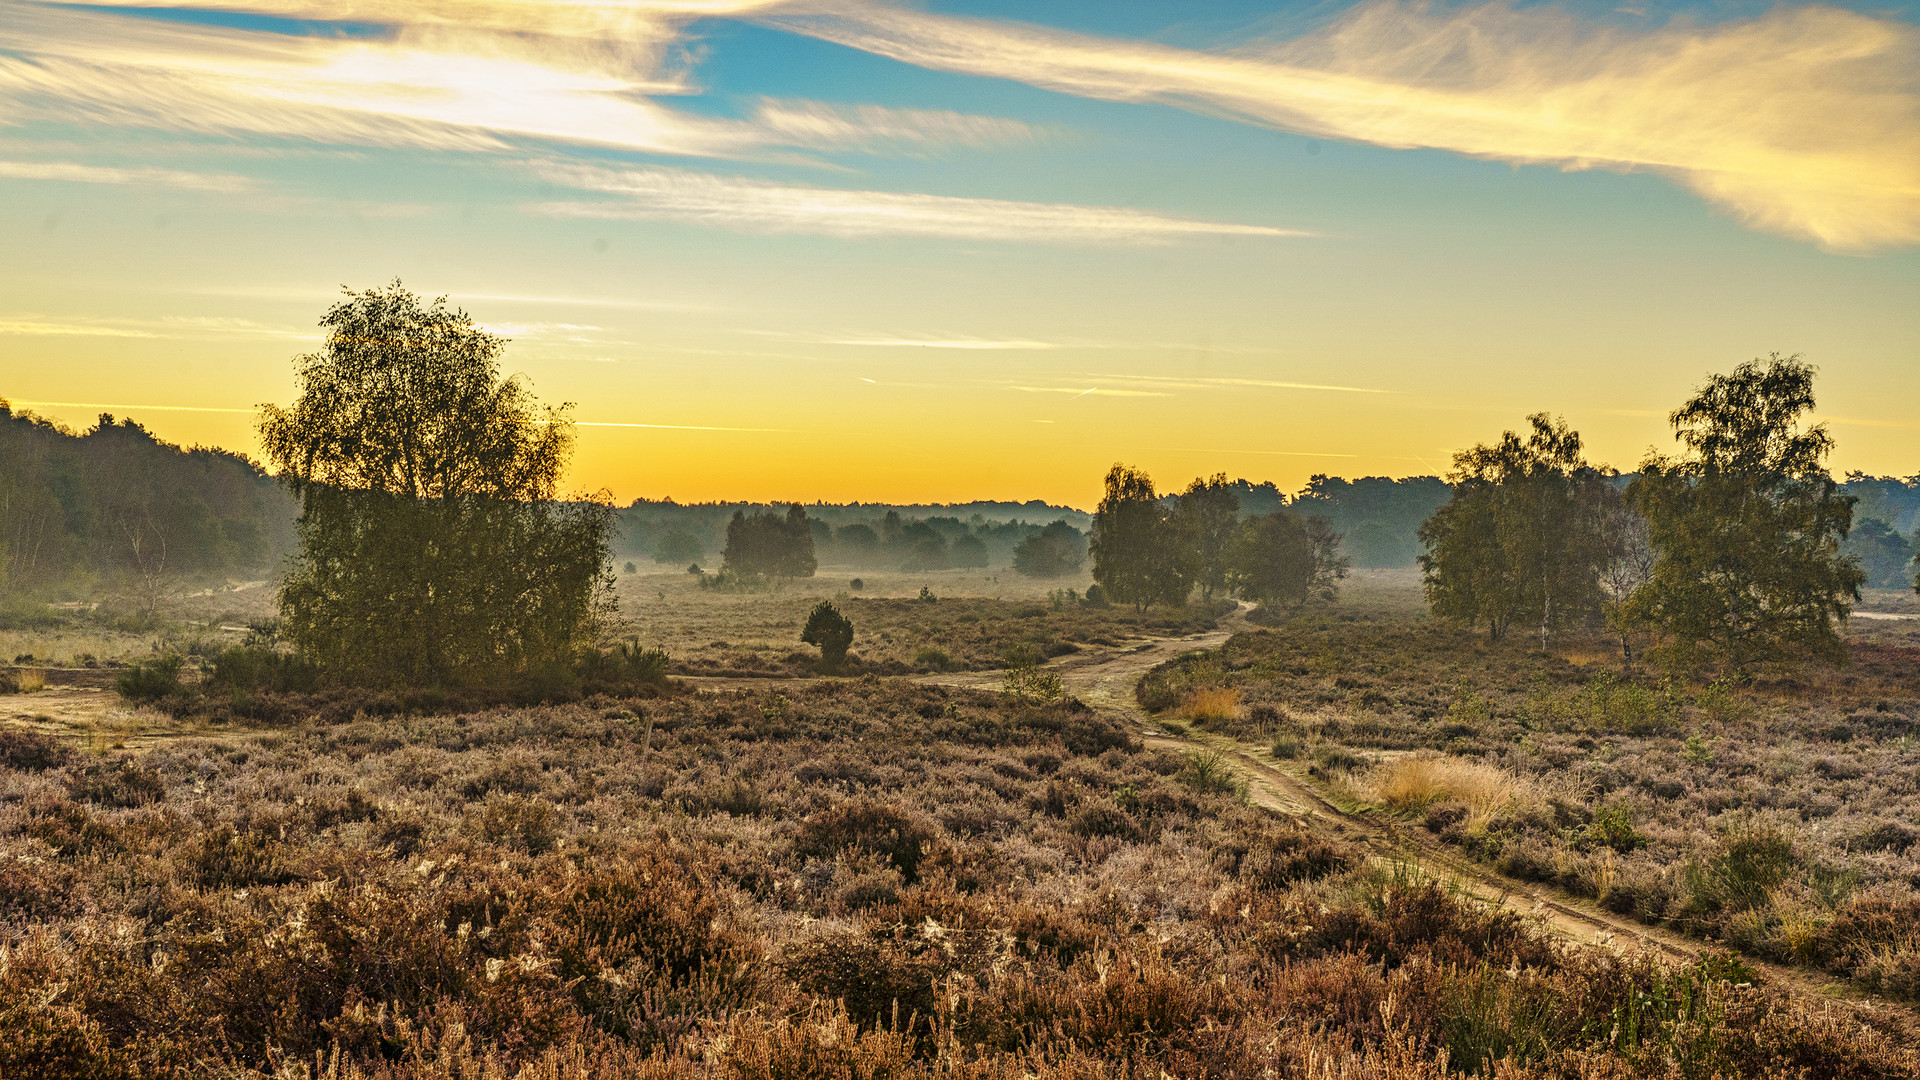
column 763, row 206
column 642, row 20
column 873, row 127
column 73, row 172
column 42, row 328
column 1094, row 391
column 123, row 408
column 1203, row 383
column 1804, row 121
column 446, row 74
column 185, row 327
column 937, row 343
column 438, row 86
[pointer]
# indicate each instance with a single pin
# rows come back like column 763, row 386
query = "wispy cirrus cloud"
column 439, row 74
column 172, row 326
column 1804, row 121
column 1204, row 383
column 653, row 193
column 819, row 125
column 1088, row 391
column 76, row 172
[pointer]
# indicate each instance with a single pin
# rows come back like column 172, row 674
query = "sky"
column 944, row 251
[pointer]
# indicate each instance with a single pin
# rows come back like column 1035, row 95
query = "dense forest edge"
column 114, row 513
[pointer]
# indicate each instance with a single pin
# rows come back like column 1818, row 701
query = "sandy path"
column 1105, row 681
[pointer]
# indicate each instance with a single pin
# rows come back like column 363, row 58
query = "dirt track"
column 1105, row 680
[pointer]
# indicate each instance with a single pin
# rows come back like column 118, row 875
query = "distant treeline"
column 1378, row 518
column 1886, row 527
column 113, row 509
column 925, row 537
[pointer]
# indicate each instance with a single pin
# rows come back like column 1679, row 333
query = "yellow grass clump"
column 1208, row 705
column 29, row 680
column 1412, row 784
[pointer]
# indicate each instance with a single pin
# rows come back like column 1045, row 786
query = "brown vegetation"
column 1774, row 815
column 846, row 879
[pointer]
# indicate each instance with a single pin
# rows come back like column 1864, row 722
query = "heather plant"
column 930, row 883
column 1764, row 811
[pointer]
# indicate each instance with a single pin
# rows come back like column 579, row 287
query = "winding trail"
column 1105, row 680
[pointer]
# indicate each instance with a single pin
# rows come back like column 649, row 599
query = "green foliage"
column 1611, row 827
column 1207, row 515
column 1139, row 556
column 678, row 545
column 1524, row 536
column 1054, row 551
column 1741, row 877
column 831, row 631
column 1748, row 525
column 770, row 546
column 1281, row 559
column 117, row 509
column 432, row 550
column 626, row 665
column 1027, row 682
column 1211, row 772
column 151, row 682
column 250, row 669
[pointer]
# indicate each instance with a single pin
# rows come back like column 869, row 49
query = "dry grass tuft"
column 30, row 680
column 1416, row 783
column 1211, row 705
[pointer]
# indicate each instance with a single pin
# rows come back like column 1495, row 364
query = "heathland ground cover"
column 839, row 878
column 1775, row 814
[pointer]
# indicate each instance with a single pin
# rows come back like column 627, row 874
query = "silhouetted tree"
column 770, row 545
column 115, row 508
column 857, row 544
column 1885, row 557
column 678, row 545
column 432, row 548
column 1055, row 551
column 1208, row 517
column 1281, row 558
column 1748, row 524
column 831, row 632
column 970, row 552
column 1138, row 556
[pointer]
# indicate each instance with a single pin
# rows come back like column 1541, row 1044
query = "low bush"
column 151, row 682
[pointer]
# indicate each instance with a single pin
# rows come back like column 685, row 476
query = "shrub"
column 247, row 669
column 30, row 751
column 151, row 682
column 901, row 838
column 831, row 632
column 1212, row 773
column 935, row 659
column 1752, row 865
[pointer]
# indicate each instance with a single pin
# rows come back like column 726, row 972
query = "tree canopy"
column 432, row 546
column 1748, row 523
column 763, row 546
column 1524, row 536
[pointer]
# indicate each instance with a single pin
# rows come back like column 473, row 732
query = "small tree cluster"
column 1732, row 550
column 1054, row 551
column 769, row 546
column 1146, row 551
column 1524, row 537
